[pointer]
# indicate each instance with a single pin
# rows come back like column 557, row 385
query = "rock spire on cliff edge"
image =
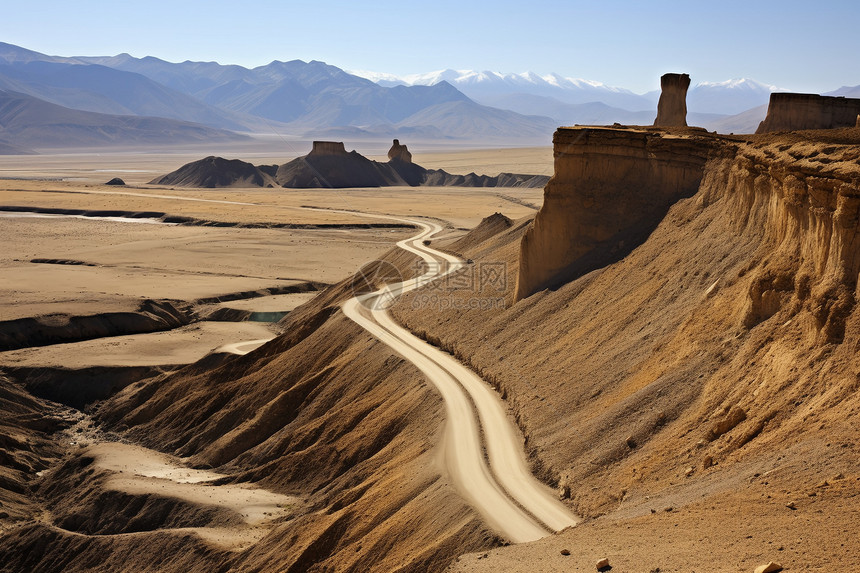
column 400, row 152
column 672, row 107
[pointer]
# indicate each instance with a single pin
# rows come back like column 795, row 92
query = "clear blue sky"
column 803, row 46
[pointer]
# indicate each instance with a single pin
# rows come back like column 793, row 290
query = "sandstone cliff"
column 713, row 371
column 611, row 187
column 672, row 107
column 791, row 112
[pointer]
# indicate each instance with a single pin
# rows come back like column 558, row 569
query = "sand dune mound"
column 330, row 166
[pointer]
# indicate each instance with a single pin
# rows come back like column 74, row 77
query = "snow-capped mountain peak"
column 500, row 89
column 739, row 83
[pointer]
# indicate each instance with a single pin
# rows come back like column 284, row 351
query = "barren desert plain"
column 209, row 380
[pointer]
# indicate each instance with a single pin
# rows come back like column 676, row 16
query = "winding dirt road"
column 498, row 484
column 483, row 451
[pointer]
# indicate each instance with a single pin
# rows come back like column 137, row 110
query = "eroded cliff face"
column 610, row 189
column 715, row 366
column 807, row 204
column 791, row 112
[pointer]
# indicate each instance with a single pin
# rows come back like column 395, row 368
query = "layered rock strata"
column 610, row 189
column 791, row 112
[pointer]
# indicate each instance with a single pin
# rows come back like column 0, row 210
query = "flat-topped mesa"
column 328, row 148
column 399, row 152
column 792, row 112
column 672, row 107
column 610, row 189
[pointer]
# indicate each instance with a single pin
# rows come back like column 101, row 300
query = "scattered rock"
column 707, row 462
column 603, row 564
column 734, row 417
column 771, row 567
column 791, row 505
column 565, row 552
column 115, row 181
column 670, row 508
column 689, row 471
column 564, row 491
column 631, row 443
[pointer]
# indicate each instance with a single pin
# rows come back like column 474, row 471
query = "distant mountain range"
column 44, row 102
column 307, row 99
column 27, row 122
column 573, row 100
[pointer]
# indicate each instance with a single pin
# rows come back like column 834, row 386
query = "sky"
column 798, row 46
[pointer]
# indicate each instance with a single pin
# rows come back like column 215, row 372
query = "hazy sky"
column 802, row 46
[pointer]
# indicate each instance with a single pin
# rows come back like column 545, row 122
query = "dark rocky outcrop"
column 213, row 172
column 791, row 112
column 327, row 148
column 330, row 166
column 115, row 181
column 672, row 107
column 399, row 152
column 151, row 316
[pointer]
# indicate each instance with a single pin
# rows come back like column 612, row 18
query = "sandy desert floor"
column 87, row 266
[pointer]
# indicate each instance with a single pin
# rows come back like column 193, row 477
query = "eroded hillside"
column 723, row 348
column 692, row 392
